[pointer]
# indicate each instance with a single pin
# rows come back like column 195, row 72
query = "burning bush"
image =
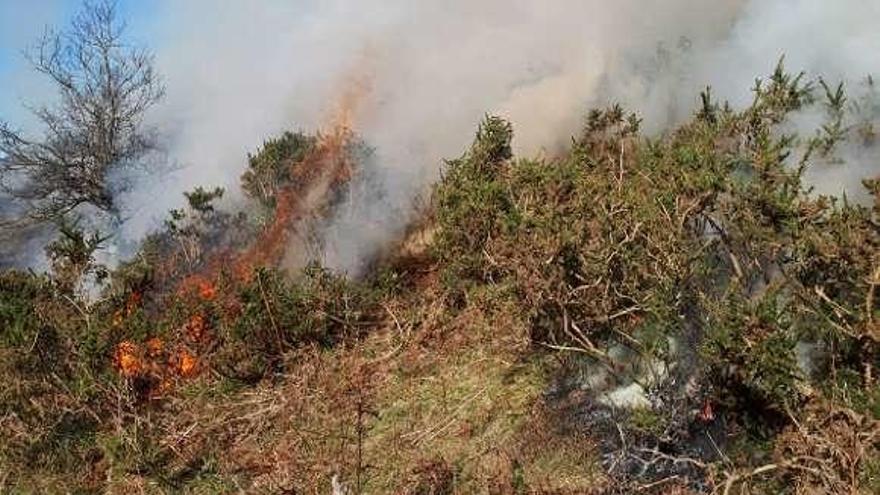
column 127, row 360
column 722, row 318
column 271, row 167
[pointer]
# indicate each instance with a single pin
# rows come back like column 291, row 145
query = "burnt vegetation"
column 643, row 314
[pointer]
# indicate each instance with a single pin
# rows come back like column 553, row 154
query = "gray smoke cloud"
column 239, row 72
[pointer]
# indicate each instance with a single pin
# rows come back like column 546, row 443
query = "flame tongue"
column 327, row 167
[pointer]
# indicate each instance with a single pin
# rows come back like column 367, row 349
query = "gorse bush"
column 271, row 167
column 49, row 398
column 472, row 199
column 568, row 233
column 73, row 368
column 276, row 315
column 83, row 369
column 704, row 243
column 20, row 293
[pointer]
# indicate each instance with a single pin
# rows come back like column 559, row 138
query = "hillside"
column 672, row 313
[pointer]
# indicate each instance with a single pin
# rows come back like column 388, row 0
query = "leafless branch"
column 96, row 129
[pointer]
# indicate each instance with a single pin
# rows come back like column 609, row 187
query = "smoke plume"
column 427, row 71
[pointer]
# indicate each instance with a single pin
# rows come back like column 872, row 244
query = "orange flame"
column 207, row 291
column 199, row 285
column 325, row 167
column 134, row 301
column 126, row 359
column 187, row 364
column 155, row 346
column 118, row 318
column 131, row 305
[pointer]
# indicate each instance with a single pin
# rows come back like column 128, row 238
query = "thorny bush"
column 702, row 249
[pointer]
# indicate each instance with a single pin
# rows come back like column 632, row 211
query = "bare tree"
column 94, row 131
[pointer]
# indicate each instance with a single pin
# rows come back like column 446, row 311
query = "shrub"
column 271, row 166
column 701, row 248
column 277, row 314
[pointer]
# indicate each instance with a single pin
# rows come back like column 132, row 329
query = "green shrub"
column 705, row 237
column 272, row 165
column 278, row 314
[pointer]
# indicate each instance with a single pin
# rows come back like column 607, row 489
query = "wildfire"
column 131, row 305
column 207, row 291
column 158, row 363
column 196, row 329
column 187, row 364
column 134, row 301
column 155, row 347
column 126, row 359
column 154, row 367
column 326, row 167
column 199, row 285
column 353, row 92
column 118, row 318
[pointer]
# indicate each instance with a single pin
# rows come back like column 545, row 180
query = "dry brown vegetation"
column 475, row 356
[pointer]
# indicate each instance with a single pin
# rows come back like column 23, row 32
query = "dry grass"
column 385, row 412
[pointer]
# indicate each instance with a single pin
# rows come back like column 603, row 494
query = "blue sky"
column 23, row 21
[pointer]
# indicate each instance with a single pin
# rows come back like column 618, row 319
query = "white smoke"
column 239, row 72
column 837, row 41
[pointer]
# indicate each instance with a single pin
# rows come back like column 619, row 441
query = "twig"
column 869, row 300
column 598, row 355
column 619, row 314
column 434, row 430
column 82, row 312
column 715, row 446
column 675, row 460
column 658, row 483
column 393, row 317
column 269, row 312
column 742, row 477
column 726, row 240
column 838, row 309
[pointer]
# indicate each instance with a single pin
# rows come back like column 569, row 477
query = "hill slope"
column 672, row 314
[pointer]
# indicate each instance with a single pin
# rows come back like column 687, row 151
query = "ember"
column 126, row 359
column 187, row 364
